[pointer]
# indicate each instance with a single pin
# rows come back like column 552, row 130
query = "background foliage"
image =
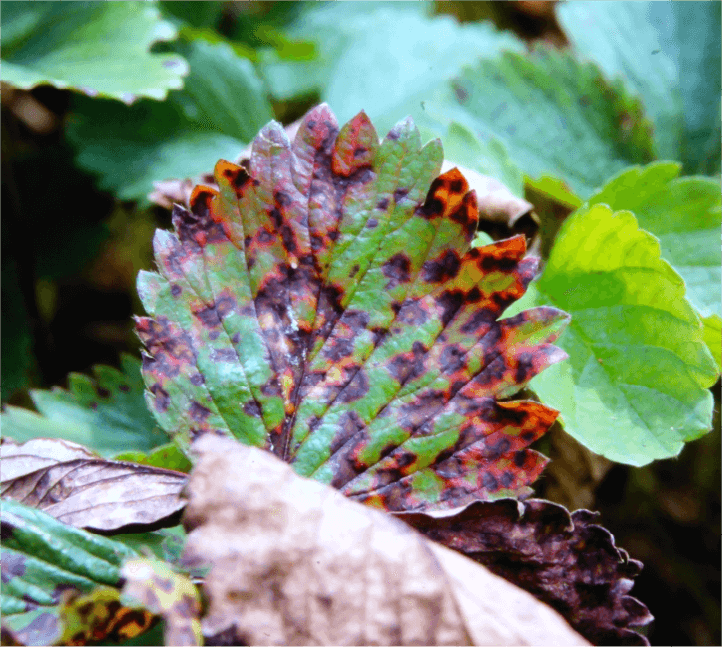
column 84, row 138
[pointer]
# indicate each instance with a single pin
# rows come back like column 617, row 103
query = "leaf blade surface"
column 326, row 303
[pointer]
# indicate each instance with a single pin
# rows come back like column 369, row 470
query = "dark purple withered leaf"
column 563, row 559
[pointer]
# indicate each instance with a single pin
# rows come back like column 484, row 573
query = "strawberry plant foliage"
column 325, row 304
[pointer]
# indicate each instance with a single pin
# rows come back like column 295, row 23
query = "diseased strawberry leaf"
column 45, row 563
column 153, row 585
column 565, row 560
column 325, row 304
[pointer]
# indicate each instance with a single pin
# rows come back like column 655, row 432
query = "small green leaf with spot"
column 106, row 414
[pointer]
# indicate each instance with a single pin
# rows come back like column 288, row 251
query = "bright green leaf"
column 668, row 53
column 713, row 337
column 98, row 48
column 685, row 214
column 107, row 415
column 482, row 238
column 167, row 456
column 556, row 189
column 556, row 116
column 636, row 386
column 219, row 110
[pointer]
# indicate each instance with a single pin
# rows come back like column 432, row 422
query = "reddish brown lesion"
column 445, row 196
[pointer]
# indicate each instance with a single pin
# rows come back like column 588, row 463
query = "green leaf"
column 636, row 386
column 195, row 14
column 557, row 117
column 167, row 456
column 713, row 337
column 556, row 189
column 353, row 332
column 98, row 48
column 219, row 110
column 668, row 53
column 165, row 544
column 379, row 57
column 42, row 559
column 487, row 157
column 685, row 214
column 107, row 415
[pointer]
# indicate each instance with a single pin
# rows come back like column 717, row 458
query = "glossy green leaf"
column 325, row 303
column 557, row 117
column 106, row 414
column 379, row 57
column 685, row 214
column 669, row 54
column 219, row 110
column 636, row 386
column 44, row 560
column 98, row 48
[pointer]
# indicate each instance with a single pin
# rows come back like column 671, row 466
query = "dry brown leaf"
column 294, row 562
column 19, row 459
column 76, row 487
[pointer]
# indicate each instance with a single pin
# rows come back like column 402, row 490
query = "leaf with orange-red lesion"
column 325, row 303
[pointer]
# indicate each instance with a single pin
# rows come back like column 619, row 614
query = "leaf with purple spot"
column 325, row 303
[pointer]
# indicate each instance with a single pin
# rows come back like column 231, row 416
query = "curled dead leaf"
column 563, row 559
column 496, row 202
column 76, row 487
column 294, row 562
